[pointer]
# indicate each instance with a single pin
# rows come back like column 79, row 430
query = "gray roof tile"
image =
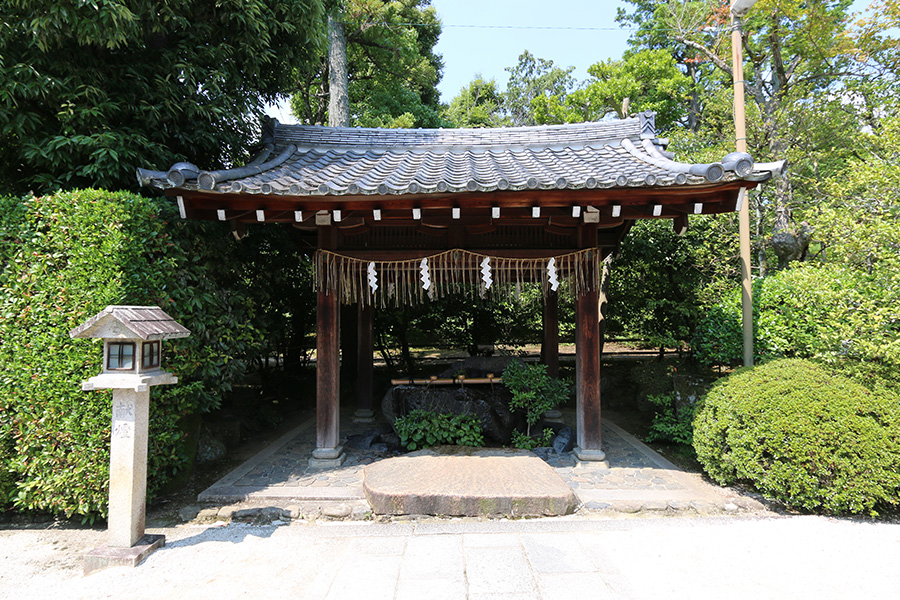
column 335, row 161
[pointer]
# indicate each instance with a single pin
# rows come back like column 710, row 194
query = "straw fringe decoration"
column 413, row 281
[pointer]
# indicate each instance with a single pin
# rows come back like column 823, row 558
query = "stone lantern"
column 132, row 364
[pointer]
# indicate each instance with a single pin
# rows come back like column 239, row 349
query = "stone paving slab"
column 463, row 481
column 636, row 480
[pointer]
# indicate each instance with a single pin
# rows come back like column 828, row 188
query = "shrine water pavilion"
column 409, row 215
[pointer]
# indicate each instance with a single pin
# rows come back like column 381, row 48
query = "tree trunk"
column 694, row 109
column 338, row 80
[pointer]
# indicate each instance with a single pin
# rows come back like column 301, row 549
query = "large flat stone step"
column 461, row 481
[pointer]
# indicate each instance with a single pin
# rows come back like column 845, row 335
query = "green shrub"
column 804, row 435
column 528, row 442
column 809, row 311
column 422, row 428
column 63, row 258
column 533, row 391
column 673, row 421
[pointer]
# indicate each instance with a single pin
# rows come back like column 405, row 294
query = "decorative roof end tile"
column 648, row 124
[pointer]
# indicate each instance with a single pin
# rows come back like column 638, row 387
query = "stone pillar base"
column 109, row 556
column 325, row 458
column 554, row 415
column 594, row 458
column 364, row 415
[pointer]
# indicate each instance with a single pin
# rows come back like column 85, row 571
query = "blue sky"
column 468, row 51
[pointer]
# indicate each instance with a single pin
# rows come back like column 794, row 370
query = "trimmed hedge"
column 804, row 435
column 810, row 311
column 63, row 258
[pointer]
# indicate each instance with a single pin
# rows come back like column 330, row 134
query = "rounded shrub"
column 803, row 435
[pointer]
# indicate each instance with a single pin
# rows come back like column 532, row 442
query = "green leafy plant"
column 800, row 433
column 673, row 421
column 422, row 428
column 533, row 391
column 527, row 442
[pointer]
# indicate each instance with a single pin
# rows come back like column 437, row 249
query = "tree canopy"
column 393, row 68
column 645, row 80
column 92, row 90
column 479, row 104
column 530, row 79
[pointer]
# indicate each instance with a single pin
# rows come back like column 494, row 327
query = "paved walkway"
column 638, row 479
column 538, row 559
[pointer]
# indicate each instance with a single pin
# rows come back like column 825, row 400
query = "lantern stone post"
column 132, row 352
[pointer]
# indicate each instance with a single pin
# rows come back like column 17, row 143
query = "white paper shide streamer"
column 373, row 277
column 425, row 274
column 552, row 278
column 457, row 271
column 486, row 272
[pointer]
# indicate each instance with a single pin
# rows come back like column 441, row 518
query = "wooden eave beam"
column 203, row 205
column 474, row 218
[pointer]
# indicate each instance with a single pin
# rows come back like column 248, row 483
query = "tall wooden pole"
column 328, row 453
column 740, row 129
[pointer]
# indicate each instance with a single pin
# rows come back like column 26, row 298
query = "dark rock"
column 188, row 513
column 362, row 441
column 226, row 429
column 382, row 429
column 391, row 440
column 544, row 452
column 564, row 440
column 489, row 403
column 379, row 447
column 210, row 449
column 554, row 426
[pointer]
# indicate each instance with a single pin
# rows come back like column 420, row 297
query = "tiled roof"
column 145, row 322
column 336, row 161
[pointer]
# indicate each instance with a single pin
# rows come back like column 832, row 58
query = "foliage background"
column 64, row 258
column 92, row 90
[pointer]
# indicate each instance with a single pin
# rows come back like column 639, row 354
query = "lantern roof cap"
column 146, row 323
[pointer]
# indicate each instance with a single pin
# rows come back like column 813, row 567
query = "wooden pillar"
column 365, row 412
column 587, row 374
column 550, row 344
column 587, row 363
column 349, row 343
column 328, row 370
